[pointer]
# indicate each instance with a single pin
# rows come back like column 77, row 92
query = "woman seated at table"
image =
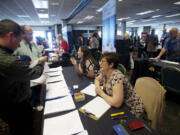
column 88, row 64
column 116, row 88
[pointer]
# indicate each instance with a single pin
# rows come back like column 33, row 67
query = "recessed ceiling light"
column 156, row 16
column 177, row 3
column 79, row 22
column 99, row 10
column 43, row 15
column 88, row 17
column 157, row 9
column 145, row 12
column 173, row 15
column 125, row 18
column 40, row 3
column 120, row 0
column 131, row 21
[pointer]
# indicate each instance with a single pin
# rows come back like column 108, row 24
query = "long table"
column 141, row 68
column 103, row 126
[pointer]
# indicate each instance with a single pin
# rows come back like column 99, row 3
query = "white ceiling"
column 10, row 9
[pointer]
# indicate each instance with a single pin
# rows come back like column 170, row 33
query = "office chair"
column 122, row 68
column 170, row 77
column 153, row 97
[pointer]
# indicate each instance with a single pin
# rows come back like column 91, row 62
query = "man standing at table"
column 15, row 79
column 31, row 49
column 172, row 46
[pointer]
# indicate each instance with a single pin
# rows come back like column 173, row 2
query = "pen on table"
column 117, row 114
column 119, row 117
column 55, row 81
column 147, row 128
column 50, row 71
column 54, row 75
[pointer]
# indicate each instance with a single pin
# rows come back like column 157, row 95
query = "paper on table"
column 89, row 90
column 55, row 69
column 57, row 92
column 54, row 73
column 98, row 106
column 83, row 133
column 170, row 62
column 53, row 79
column 67, row 124
column 58, row 105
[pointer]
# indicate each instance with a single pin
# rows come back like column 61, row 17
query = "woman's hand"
column 99, row 91
column 73, row 61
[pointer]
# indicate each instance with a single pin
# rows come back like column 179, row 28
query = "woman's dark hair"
column 87, row 55
column 111, row 58
column 10, row 26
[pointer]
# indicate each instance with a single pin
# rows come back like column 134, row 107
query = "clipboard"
column 88, row 114
column 95, row 108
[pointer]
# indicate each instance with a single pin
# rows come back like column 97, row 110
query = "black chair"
column 170, row 77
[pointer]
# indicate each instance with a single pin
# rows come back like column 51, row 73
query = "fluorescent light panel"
column 145, row 12
column 177, row 3
column 88, row 17
column 40, row 3
column 43, row 15
column 173, row 15
column 148, row 20
column 125, row 18
column 79, row 22
column 99, row 10
column 156, row 16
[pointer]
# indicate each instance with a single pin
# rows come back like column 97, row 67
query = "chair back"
column 122, row 68
column 170, row 77
column 152, row 95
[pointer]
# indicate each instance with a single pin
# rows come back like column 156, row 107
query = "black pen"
column 55, row 81
column 54, row 75
column 119, row 117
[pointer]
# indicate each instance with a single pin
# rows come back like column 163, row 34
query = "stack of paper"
column 63, row 104
column 98, row 106
column 67, row 124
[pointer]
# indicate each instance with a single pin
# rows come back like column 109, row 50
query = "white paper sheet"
column 67, row 124
column 57, row 92
column 170, row 62
column 89, row 90
column 54, row 79
column 98, row 106
column 58, row 105
column 55, row 69
column 57, row 73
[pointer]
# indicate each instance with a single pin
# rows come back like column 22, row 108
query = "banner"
column 67, row 35
column 109, row 26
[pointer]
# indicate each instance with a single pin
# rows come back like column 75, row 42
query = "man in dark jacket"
column 15, row 79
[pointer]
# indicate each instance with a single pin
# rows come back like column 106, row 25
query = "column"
column 123, row 27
